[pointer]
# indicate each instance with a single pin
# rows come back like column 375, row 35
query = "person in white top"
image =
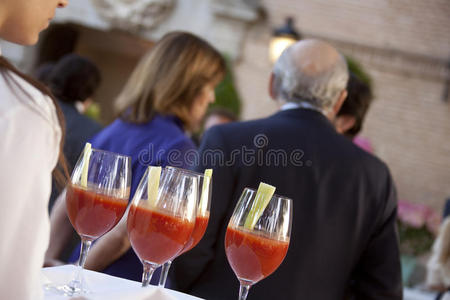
column 438, row 266
column 30, row 139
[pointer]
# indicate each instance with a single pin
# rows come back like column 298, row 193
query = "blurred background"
column 401, row 48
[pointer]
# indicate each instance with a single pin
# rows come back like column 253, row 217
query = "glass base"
column 72, row 289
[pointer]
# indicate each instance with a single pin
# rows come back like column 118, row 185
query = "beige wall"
column 409, row 125
column 116, row 54
column 403, row 45
column 415, row 26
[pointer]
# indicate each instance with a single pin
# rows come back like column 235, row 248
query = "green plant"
column 358, row 70
column 226, row 93
column 414, row 241
column 418, row 225
column 93, row 111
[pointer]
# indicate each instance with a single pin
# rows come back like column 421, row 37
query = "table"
column 104, row 286
column 415, row 294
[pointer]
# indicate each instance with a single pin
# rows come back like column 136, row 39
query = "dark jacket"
column 79, row 129
column 343, row 232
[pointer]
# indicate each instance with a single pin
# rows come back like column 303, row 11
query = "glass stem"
column 148, row 273
column 85, row 246
column 243, row 291
column 77, row 283
column 164, row 272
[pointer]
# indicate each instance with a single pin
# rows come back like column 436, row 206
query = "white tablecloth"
column 108, row 287
column 415, row 294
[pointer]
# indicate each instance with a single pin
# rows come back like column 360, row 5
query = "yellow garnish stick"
column 86, row 159
column 154, row 174
column 262, row 199
column 203, row 206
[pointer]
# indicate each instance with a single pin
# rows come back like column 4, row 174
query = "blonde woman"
column 31, row 139
column 438, row 266
column 166, row 96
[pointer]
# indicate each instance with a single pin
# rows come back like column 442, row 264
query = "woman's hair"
column 73, row 78
column 60, row 172
column 169, row 78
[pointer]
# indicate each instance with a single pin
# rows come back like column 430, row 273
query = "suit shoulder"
column 373, row 161
column 370, row 163
column 348, row 153
column 237, row 128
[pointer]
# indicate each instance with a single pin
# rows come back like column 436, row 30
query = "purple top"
column 159, row 142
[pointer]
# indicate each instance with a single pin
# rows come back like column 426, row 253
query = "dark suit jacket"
column 343, row 233
column 79, row 129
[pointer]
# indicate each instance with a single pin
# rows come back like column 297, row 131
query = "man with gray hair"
column 343, row 242
column 314, row 79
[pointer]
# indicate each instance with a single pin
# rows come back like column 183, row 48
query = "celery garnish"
column 262, row 199
column 86, row 159
column 154, row 174
column 203, row 206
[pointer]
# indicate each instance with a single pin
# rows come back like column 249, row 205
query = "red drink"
column 251, row 256
column 155, row 236
column 201, row 222
column 93, row 214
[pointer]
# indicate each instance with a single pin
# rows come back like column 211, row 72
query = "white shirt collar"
column 304, row 105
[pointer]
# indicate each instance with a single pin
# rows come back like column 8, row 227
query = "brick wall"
column 412, row 25
column 409, row 126
column 404, row 46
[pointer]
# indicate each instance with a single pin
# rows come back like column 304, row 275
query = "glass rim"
column 110, row 153
column 185, row 170
column 274, row 195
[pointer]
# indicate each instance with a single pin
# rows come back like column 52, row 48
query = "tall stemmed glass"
column 201, row 221
column 257, row 237
column 96, row 199
column 162, row 216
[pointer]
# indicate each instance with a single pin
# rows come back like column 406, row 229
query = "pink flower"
column 412, row 214
column 417, row 215
column 363, row 143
